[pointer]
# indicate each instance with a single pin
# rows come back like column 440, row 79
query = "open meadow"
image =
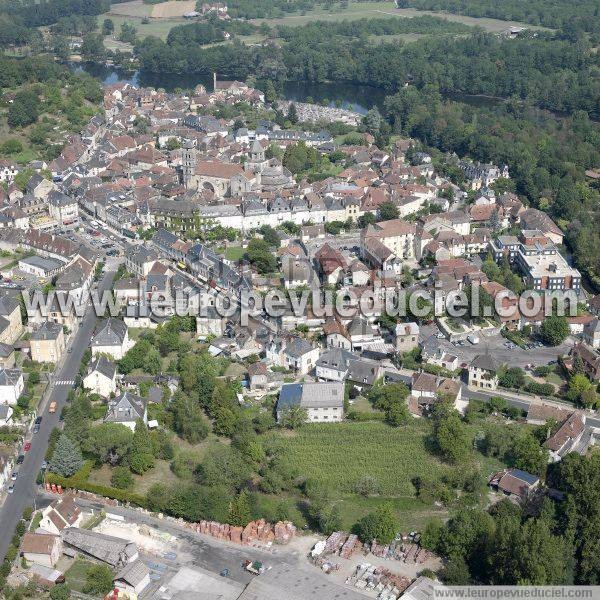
column 166, row 15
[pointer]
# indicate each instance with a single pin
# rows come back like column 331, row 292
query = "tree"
column 293, row 417
column 239, row 510
column 270, row 236
column 259, row 255
column 372, row 120
column 579, row 383
column 292, row 114
column 188, row 421
column 108, row 27
column 25, row 109
column 528, row 455
column 554, row 330
column 388, row 211
column 67, row 458
column 121, row 478
column 92, row 47
column 98, row 580
column 456, row 571
column 451, row 435
column 513, row 377
column 270, row 92
column 60, row 592
column 141, row 456
column 381, row 525
column 109, row 442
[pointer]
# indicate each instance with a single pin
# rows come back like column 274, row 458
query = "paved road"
column 24, row 493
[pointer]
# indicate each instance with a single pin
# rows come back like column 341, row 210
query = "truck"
column 52, row 407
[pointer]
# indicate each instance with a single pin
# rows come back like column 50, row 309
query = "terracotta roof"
column 38, row 543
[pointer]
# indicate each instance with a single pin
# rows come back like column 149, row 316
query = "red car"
column 27, row 446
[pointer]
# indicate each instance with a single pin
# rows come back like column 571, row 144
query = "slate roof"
column 9, row 377
column 124, row 408
column 311, row 395
column 133, row 573
column 111, row 333
column 103, row 366
column 112, row 550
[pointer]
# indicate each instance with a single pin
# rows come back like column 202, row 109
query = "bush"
column 121, row 478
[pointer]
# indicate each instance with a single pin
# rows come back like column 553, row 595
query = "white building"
column 112, row 339
column 102, row 377
column 11, row 386
column 323, row 401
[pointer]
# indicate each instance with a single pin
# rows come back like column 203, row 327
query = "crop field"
column 339, row 454
column 173, row 8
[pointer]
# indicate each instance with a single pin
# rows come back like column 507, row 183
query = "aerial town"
column 169, row 450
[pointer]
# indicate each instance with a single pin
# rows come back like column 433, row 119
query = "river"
column 351, row 96
column 354, row 97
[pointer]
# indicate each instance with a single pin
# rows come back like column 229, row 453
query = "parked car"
column 36, row 429
column 14, row 475
column 38, row 420
column 27, row 447
column 11, row 489
column 20, row 459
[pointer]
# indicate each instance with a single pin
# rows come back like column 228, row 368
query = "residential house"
column 6, row 413
column 293, row 353
column 62, row 208
column 257, row 376
column 532, row 218
column 589, row 357
column 336, row 335
column 126, row 409
column 47, row 343
column 112, row 338
column 331, row 263
column 406, row 337
column 363, row 372
column 11, row 326
column 483, row 372
column 515, row 483
column 101, row 377
column 591, row 333
column 11, row 386
column 7, row 356
column 333, row 364
column 566, row 438
column 210, row 323
column 60, row 514
column 41, row 548
column 139, row 260
column 323, row 401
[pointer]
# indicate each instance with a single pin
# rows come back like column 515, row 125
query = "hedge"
column 78, row 483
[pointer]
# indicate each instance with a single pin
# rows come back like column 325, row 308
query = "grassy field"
column 75, row 576
column 162, row 17
column 338, row 455
column 378, row 10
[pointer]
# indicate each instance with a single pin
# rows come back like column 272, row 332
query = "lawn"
column 412, row 513
column 75, row 576
column 340, row 454
column 234, row 253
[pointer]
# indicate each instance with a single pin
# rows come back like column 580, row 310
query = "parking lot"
column 500, row 348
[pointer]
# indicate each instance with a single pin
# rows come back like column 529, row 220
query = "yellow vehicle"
column 52, row 407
